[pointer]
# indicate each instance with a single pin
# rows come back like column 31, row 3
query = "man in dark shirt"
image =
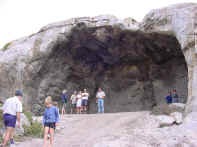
column 64, row 101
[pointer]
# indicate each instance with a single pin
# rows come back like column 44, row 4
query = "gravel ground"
column 132, row 129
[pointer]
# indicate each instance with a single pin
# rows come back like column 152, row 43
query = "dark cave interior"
column 135, row 69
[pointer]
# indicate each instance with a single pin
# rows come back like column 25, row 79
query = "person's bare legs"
column 71, row 110
column 78, row 110
column 46, row 131
column 8, row 135
column 12, row 136
column 51, row 131
column 63, row 111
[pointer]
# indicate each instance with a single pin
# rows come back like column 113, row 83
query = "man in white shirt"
column 11, row 113
column 100, row 100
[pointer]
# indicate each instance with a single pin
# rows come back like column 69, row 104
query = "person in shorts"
column 79, row 102
column 64, row 101
column 11, row 113
column 73, row 100
column 85, row 96
column 50, row 120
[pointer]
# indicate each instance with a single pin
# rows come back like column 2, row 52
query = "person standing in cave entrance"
column 85, row 96
column 11, row 113
column 73, row 100
column 169, row 98
column 79, row 102
column 175, row 97
column 100, row 100
column 64, row 101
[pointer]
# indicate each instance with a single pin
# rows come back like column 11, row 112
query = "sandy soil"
column 90, row 130
column 131, row 129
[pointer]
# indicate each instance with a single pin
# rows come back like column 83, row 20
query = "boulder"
column 168, row 109
column 165, row 120
column 178, row 117
column 177, row 107
column 161, row 109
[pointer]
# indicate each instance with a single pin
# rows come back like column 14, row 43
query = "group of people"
column 78, row 102
column 13, row 107
column 172, row 97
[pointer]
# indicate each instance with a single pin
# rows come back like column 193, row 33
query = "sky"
column 21, row 18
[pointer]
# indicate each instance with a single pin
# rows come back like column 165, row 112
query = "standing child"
column 50, row 119
column 64, row 101
column 85, row 96
column 73, row 100
column 169, row 98
column 79, row 102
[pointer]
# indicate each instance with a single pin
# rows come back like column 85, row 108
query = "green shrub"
column 1, row 118
column 6, row 46
column 1, row 139
column 28, row 114
column 35, row 130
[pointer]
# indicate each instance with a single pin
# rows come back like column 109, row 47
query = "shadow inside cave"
column 135, row 69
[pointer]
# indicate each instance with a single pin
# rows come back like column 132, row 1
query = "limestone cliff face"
column 135, row 63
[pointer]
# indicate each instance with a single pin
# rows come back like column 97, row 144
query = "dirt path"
column 89, row 130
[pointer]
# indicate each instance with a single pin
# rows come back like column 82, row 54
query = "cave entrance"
column 135, row 69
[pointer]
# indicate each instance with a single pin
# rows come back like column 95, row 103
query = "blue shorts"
column 84, row 102
column 9, row 120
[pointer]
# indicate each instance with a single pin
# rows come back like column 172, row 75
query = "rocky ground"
column 131, row 129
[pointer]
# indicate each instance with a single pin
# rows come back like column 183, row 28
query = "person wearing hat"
column 11, row 113
column 64, row 101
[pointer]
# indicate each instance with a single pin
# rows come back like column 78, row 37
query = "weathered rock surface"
column 135, row 68
column 135, row 63
column 165, row 120
column 168, row 109
column 178, row 117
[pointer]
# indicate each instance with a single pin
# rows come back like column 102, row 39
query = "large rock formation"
column 135, row 63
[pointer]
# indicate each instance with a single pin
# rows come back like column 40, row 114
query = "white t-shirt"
column 73, row 99
column 100, row 94
column 85, row 96
column 78, row 96
column 12, row 106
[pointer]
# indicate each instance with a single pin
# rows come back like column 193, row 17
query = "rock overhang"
column 54, row 32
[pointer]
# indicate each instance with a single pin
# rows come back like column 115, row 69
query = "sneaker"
column 12, row 143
